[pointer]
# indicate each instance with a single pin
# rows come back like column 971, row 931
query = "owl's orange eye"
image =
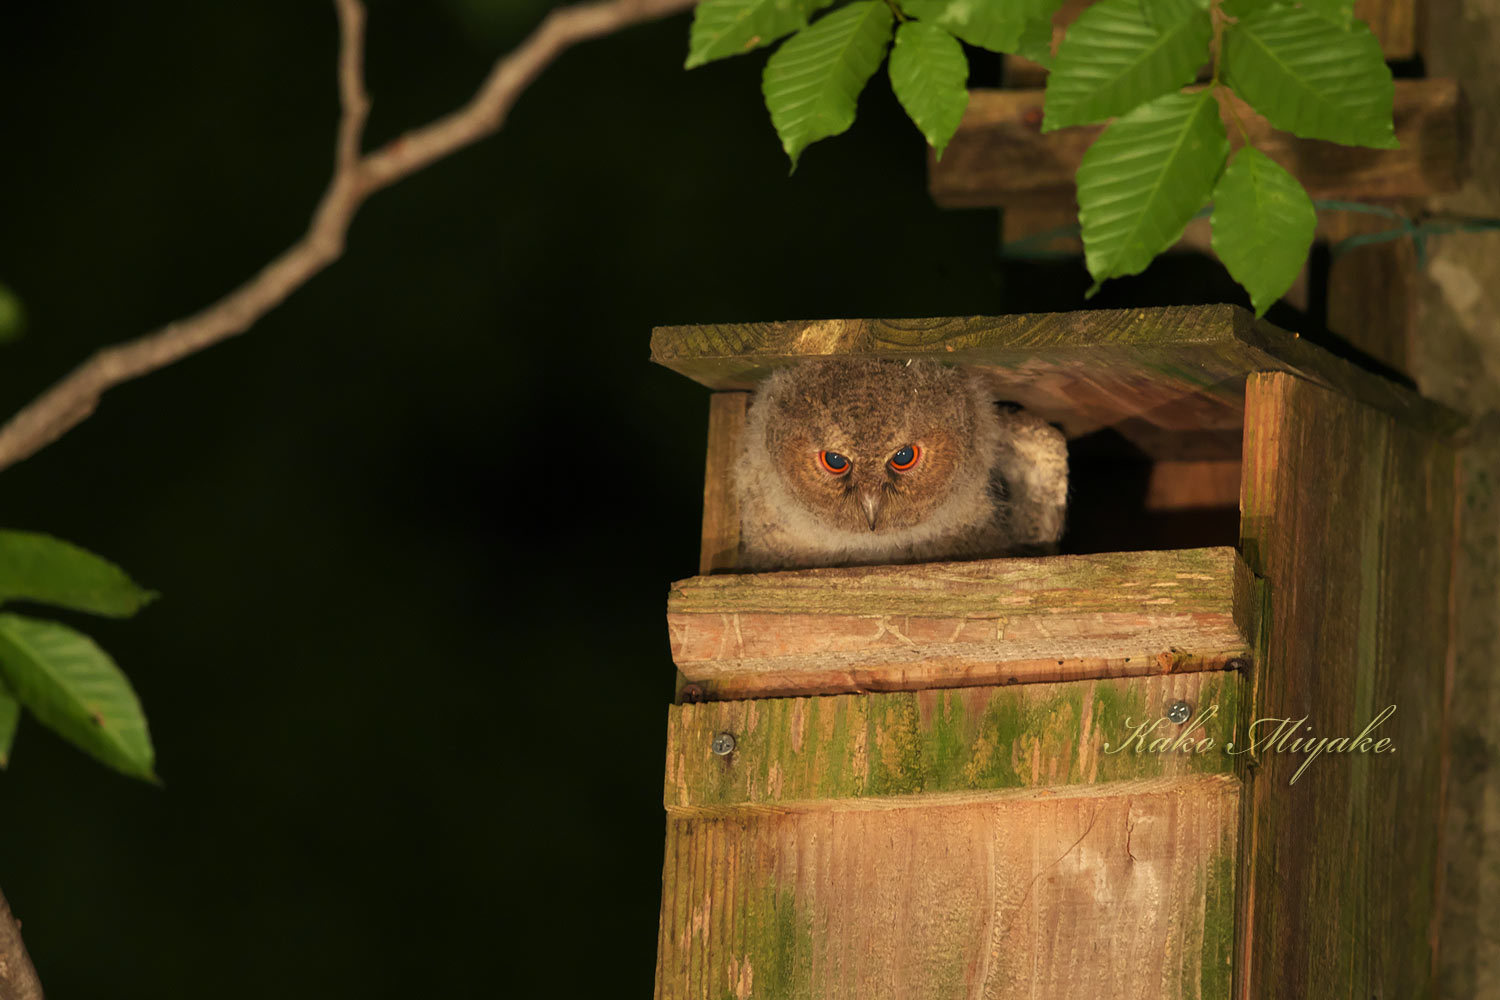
column 906, row 459
column 833, row 463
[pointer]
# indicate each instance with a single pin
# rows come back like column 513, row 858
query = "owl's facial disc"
column 873, row 446
column 885, row 483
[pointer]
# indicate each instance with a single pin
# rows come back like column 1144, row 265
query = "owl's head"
column 870, row 445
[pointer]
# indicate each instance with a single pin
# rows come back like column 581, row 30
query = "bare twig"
column 353, row 100
column 18, row 979
column 355, row 178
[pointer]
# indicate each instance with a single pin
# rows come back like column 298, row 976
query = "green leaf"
column 10, row 716
column 36, row 567
column 997, row 25
column 73, row 688
column 1340, row 12
column 1159, row 12
column 812, row 83
column 724, row 28
column 1263, row 224
column 12, row 315
column 1240, row 8
column 1311, row 77
column 930, row 73
column 1111, row 60
column 1036, row 42
column 1145, row 178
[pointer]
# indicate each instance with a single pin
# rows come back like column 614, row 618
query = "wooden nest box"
column 925, row 781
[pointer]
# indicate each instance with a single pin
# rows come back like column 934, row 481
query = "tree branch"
column 18, row 979
column 355, row 178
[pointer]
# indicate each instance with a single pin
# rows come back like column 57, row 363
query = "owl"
column 858, row 461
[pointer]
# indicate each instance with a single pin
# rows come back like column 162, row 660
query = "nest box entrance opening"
column 1151, row 402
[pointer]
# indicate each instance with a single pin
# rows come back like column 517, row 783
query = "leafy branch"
column 1311, row 70
column 59, row 675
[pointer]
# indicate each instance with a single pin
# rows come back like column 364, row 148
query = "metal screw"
column 1238, row 663
column 1179, row 712
column 723, row 744
column 692, row 694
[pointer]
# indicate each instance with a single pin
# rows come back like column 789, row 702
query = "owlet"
column 859, row 461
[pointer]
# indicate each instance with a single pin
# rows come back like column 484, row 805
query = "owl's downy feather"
column 983, row 482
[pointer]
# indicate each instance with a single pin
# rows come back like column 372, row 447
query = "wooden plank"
column 883, row 749
column 1193, row 485
column 721, row 510
column 1000, row 158
column 1180, row 368
column 1128, row 896
column 995, row 621
column 1348, row 519
column 1373, row 290
column 1392, row 21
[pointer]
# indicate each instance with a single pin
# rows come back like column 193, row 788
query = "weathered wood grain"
column 721, row 510
column 999, row 156
column 1348, row 520
column 885, row 748
column 1126, row 895
column 1178, row 369
column 995, row 621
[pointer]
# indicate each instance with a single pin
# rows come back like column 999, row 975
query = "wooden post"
column 1348, row 518
column 721, row 515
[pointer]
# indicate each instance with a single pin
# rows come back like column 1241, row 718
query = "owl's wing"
column 1031, row 473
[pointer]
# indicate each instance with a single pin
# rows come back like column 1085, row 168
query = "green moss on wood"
column 1216, row 973
column 959, row 740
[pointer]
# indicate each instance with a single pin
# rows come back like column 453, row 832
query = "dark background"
column 408, row 679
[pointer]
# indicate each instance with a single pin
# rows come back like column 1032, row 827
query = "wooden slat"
column 1000, row 158
column 1180, row 369
column 997, row 621
column 1348, row 519
column 882, row 749
column 1373, row 289
column 1193, row 485
column 1128, row 896
column 1394, row 22
column 721, row 510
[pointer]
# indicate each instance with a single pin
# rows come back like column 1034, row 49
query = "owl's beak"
column 870, row 501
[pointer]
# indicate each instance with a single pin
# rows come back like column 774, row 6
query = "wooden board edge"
column 720, row 545
column 926, row 800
